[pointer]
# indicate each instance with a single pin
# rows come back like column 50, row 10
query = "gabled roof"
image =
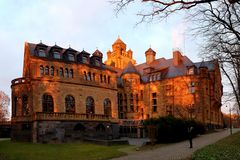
column 130, row 68
column 98, row 53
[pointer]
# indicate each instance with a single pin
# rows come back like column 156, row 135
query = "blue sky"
column 83, row 24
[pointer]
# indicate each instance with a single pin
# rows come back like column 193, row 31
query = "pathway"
column 178, row 151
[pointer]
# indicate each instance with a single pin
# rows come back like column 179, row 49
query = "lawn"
column 70, row 151
column 225, row 149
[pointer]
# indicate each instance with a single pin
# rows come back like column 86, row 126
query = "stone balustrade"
column 20, row 81
column 55, row 116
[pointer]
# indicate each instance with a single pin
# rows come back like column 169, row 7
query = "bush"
column 171, row 129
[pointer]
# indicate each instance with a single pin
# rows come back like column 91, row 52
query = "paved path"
column 177, row 151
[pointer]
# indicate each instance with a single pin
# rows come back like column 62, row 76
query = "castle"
column 66, row 95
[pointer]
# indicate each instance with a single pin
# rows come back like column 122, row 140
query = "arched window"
column 14, row 109
column 70, row 104
column 66, row 72
column 100, row 128
column 85, row 75
column 25, row 107
column 71, row 73
column 107, row 107
column 41, row 71
column 61, row 72
column 105, row 79
column 52, row 71
column 89, row 76
column 47, row 70
column 79, row 127
column 90, row 106
column 47, row 103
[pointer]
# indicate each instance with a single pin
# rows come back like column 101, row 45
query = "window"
column 47, row 70
column 154, row 102
column 84, row 59
column 191, row 87
column 105, row 79
column 107, row 107
column 159, row 76
column 131, row 103
column 66, row 73
column 71, row 57
column 85, row 75
column 14, row 110
column 71, row 73
column 100, row 128
column 56, row 55
column 70, row 104
column 89, row 76
column 191, row 71
column 52, row 71
column 47, row 103
column 41, row 53
column 61, row 72
column 41, row 71
column 109, row 79
column 90, row 106
column 25, row 107
column 97, row 62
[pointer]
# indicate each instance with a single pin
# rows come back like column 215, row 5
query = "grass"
column 70, row 151
column 225, row 149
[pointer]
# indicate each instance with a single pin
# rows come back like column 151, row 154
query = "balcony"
column 60, row 116
column 20, row 81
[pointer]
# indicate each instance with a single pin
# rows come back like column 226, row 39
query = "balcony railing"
column 63, row 117
column 20, row 81
column 70, row 116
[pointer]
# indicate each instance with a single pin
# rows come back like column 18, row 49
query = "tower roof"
column 119, row 41
column 130, row 68
column 150, row 51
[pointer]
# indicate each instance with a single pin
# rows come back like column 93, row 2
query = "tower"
column 119, row 57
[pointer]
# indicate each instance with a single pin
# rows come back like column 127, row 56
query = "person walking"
column 190, row 135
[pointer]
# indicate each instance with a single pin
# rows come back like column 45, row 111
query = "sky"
column 87, row 25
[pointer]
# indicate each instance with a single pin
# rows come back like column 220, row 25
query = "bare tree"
column 218, row 22
column 160, row 9
column 4, row 103
column 220, row 28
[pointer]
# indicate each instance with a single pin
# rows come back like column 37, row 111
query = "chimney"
column 150, row 55
column 177, row 58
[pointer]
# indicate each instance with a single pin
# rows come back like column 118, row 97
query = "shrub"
column 170, row 129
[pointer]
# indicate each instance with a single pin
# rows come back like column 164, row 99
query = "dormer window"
column 97, row 62
column 71, row 57
column 41, row 53
column 56, row 55
column 84, row 59
column 191, row 71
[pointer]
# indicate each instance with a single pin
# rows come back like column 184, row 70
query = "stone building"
column 66, row 95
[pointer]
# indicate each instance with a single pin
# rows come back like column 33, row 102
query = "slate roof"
column 130, row 68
